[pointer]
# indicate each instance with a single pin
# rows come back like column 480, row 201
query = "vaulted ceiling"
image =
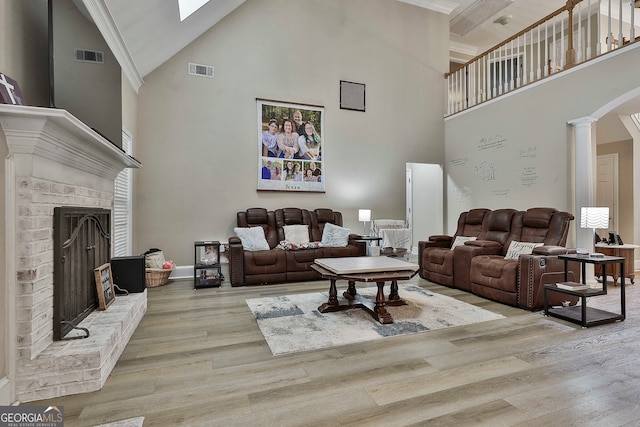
column 145, row 33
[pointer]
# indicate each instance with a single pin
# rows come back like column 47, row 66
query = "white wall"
column 517, row 152
column 198, row 136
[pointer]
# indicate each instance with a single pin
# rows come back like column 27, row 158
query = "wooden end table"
column 627, row 252
column 583, row 315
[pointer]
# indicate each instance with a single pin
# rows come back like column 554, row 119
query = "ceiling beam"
column 442, row 6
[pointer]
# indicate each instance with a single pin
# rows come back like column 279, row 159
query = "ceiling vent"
column 476, row 14
column 200, row 70
column 84, row 55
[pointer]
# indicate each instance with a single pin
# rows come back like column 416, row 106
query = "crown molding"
column 442, row 6
column 463, row 49
column 106, row 25
column 56, row 135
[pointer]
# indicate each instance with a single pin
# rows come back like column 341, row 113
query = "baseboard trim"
column 182, row 272
column 5, row 392
column 186, row 272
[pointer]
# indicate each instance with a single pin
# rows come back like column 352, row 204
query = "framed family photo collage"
column 290, row 146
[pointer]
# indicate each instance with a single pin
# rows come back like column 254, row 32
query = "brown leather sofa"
column 435, row 256
column 277, row 265
column 499, row 279
column 480, row 266
column 496, row 232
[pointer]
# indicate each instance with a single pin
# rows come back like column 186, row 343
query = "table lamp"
column 364, row 215
column 594, row 217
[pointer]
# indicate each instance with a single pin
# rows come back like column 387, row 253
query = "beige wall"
column 79, row 85
column 23, row 47
column 537, row 141
column 23, row 57
column 198, row 137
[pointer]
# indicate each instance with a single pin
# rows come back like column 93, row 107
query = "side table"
column 583, row 315
column 207, row 271
column 627, row 252
column 371, row 242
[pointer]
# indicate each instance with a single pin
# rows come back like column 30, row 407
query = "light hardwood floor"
column 199, row 359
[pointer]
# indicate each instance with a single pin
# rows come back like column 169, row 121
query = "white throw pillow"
column 334, row 235
column 296, row 234
column 520, row 248
column 461, row 239
column 252, row 238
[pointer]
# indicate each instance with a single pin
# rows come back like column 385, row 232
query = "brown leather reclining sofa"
column 479, row 266
column 277, row 265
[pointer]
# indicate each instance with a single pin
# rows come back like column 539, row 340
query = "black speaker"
column 129, row 272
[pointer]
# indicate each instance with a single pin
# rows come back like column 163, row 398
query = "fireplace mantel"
column 57, row 135
column 53, row 159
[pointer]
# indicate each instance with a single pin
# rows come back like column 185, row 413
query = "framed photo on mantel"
column 291, row 146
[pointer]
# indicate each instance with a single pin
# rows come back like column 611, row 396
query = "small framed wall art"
column 352, row 96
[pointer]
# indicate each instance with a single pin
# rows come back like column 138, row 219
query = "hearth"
column 54, row 160
column 81, row 242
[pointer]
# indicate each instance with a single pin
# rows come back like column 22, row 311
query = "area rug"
column 131, row 422
column 292, row 323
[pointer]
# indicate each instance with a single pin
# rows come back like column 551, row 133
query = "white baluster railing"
column 567, row 37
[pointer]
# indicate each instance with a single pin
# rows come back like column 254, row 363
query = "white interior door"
column 425, row 201
column 607, row 189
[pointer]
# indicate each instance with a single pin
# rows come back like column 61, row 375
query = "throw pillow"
column 520, row 248
column 154, row 259
column 334, row 235
column 459, row 241
column 252, row 238
column 296, row 234
column 288, row 246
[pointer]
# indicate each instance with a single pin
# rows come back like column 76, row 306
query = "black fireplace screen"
column 81, row 239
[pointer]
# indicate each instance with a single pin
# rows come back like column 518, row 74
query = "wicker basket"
column 157, row 277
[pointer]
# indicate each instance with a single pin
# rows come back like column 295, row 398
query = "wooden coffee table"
column 364, row 269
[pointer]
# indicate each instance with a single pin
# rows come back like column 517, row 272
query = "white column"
column 585, row 182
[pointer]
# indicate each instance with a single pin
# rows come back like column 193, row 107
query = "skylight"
column 187, row 7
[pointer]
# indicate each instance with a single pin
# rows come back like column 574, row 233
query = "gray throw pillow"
column 252, row 238
column 334, row 235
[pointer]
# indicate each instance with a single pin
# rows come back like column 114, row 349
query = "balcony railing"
column 578, row 32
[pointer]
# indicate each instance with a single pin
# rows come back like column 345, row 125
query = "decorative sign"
column 104, row 285
column 10, row 91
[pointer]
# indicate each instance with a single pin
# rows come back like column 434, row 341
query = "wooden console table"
column 623, row 251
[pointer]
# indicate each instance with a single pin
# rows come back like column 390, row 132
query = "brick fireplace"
column 55, row 160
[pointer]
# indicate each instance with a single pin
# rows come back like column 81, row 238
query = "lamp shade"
column 364, row 215
column 594, row 217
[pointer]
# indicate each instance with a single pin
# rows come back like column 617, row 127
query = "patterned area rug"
column 131, row 422
column 292, row 323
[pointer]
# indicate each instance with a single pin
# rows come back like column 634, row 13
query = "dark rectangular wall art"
column 352, row 96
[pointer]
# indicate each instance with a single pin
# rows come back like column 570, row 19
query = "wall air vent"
column 200, row 70
column 84, row 55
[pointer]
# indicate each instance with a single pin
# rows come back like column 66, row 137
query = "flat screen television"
column 84, row 76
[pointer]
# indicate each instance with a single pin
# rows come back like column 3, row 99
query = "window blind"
column 122, row 245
